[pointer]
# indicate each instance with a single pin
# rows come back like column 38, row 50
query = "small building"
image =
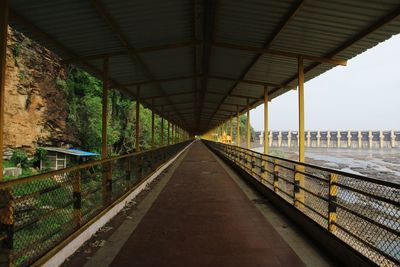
column 58, row 158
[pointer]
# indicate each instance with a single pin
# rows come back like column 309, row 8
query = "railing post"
column 264, row 168
column 6, row 226
column 252, row 164
column 128, row 168
column 298, row 185
column 333, row 177
column 107, row 182
column 77, row 196
column 139, row 163
column 276, row 176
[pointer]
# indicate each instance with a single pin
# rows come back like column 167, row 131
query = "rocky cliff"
column 36, row 109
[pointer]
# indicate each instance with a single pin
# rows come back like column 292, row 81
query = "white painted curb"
column 69, row 249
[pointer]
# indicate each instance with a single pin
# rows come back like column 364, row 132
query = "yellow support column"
column 7, row 203
column 266, row 120
column 172, row 133
column 162, row 130
column 3, row 54
column 168, row 131
column 106, row 168
column 152, row 124
column 248, row 125
column 137, row 129
column 104, row 110
column 299, row 178
column 231, row 129
column 237, row 126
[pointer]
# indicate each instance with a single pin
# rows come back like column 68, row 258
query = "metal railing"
column 37, row 213
column 361, row 211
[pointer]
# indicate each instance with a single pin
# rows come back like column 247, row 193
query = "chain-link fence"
column 361, row 211
column 37, row 213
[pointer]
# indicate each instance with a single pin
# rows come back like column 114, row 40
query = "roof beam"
column 169, row 95
column 155, row 81
column 209, row 20
column 264, row 50
column 132, row 50
column 205, row 102
column 196, row 105
column 233, row 95
column 282, row 25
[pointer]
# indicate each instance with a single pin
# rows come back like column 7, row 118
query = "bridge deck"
column 202, row 218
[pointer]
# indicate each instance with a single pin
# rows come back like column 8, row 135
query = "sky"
column 364, row 95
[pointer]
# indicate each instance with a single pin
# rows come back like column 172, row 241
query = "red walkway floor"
column 202, row 218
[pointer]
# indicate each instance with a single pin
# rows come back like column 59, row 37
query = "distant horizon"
column 364, row 95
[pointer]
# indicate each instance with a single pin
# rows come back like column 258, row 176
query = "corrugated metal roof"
column 71, row 151
column 78, row 29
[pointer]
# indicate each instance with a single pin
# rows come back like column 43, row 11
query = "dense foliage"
column 84, row 97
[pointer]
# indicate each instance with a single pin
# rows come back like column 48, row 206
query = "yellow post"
column 76, row 186
column 266, row 120
column 104, row 110
column 248, row 125
column 237, row 126
column 231, row 129
column 333, row 177
column 152, row 124
column 3, row 55
column 276, row 176
column 106, row 168
column 172, row 133
column 162, row 126
column 299, row 178
column 168, row 127
column 137, row 139
column 6, row 196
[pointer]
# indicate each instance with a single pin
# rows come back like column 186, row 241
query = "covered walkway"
column 202, row 218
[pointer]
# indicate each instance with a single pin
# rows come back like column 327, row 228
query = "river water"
column 383, row 164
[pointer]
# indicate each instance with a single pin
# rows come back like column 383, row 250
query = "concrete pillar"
column 349, row 139
column 308, row 138
column 328, row 139
column 318, row 139
column 339, row 136
column 270, row 139
column 289, row 139
column 392, row 139
column 279, row 138
column 381, row 139
column 370, row 136
column 359, row 136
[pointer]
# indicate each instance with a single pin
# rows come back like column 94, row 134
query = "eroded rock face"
column 35, row 107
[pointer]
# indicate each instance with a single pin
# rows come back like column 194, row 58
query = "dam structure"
column 333, row 139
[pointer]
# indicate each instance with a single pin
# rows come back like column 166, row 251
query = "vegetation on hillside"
column 84, row 97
